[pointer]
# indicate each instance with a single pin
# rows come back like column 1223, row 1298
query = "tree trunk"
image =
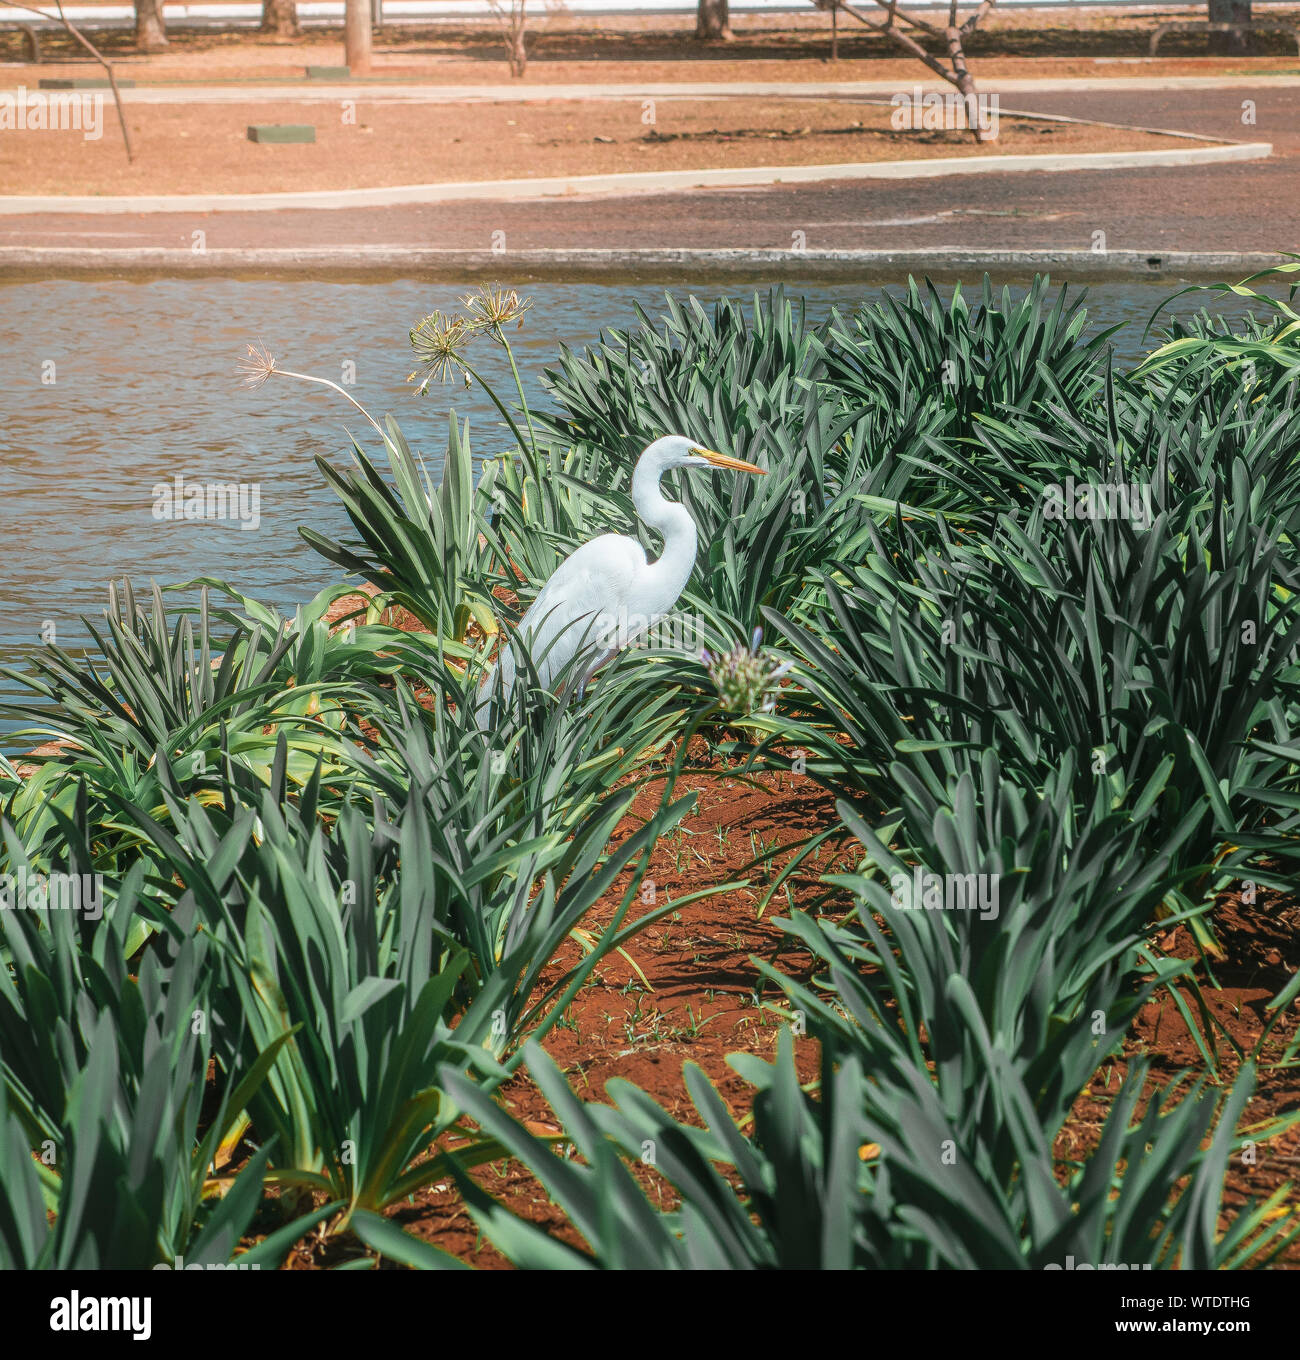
column 518, row 51
column 356, row 36
column 966, row 85
column 150, row 30
column 713, row 20
column 1229, row 12
column 281, row 18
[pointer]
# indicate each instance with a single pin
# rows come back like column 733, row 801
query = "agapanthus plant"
column 746, row 678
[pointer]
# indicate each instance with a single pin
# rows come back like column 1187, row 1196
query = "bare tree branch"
column 893, row 16
column 94, row 52
column 906, row 42
column 514, row 19
column 973, row 22
column 952, row 36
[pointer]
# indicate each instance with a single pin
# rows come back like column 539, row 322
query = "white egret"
column 607, row 592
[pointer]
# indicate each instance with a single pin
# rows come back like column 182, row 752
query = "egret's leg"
column 601, row 660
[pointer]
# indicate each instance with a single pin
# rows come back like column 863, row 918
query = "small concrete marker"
column 281, row 132
column 329, row 73
column 91, row 83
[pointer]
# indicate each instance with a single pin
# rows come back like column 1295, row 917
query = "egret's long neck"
column 669, row 575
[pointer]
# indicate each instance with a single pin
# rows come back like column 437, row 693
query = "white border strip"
column 662, row 181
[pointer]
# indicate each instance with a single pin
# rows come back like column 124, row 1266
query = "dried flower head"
column 257, row 365
column 745, row 678
column 493, row 307
column 438, row 342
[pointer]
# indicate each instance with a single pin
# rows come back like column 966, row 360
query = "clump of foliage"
column 331, row 907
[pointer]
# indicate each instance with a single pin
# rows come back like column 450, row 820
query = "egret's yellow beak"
column 723, row 461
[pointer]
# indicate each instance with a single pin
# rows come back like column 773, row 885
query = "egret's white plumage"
column 607, row 592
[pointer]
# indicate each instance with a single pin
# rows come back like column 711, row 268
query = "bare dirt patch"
column 192, row 149
column 696, row 995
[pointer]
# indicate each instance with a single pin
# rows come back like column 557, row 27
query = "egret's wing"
column 589, row 595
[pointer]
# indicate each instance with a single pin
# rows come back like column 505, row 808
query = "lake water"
column 108, row 388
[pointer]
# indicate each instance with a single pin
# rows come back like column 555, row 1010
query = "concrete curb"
column 663, row 181
column 615, row 266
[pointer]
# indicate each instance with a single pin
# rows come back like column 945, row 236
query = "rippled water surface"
column 107, row 388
